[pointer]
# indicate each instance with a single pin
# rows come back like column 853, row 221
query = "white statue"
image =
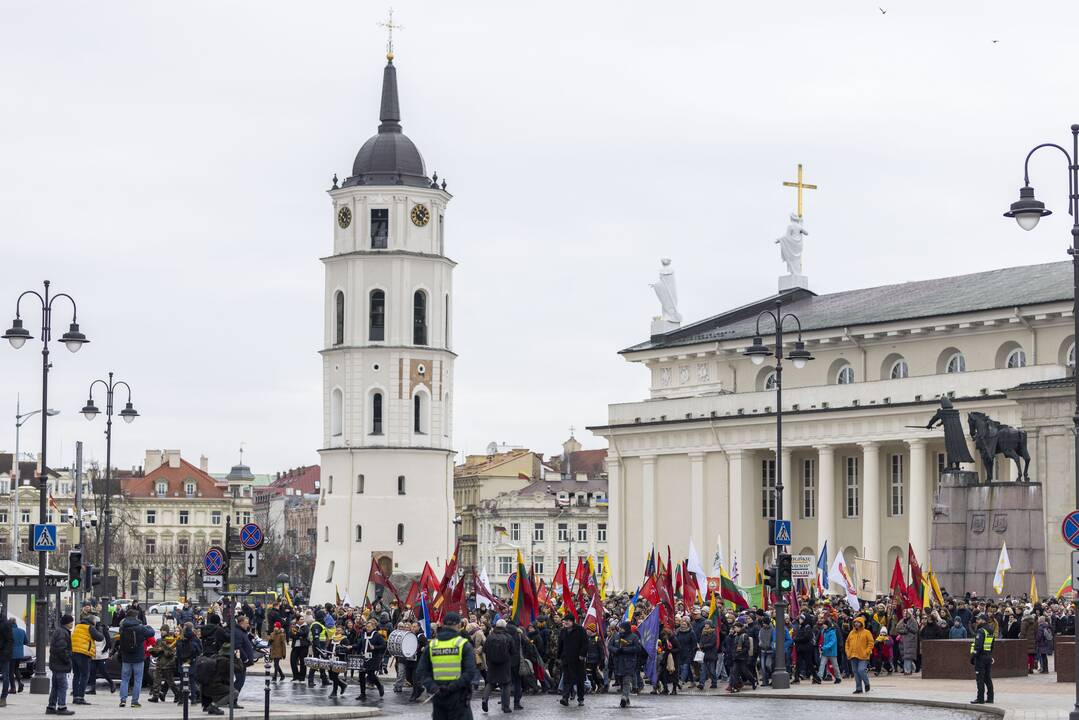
column 790, row 245
column 667, row 293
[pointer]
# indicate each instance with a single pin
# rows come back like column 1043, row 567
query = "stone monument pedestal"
column 791, row 281
column 970, row 522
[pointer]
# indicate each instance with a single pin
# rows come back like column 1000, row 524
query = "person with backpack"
column 84, row 639
column 133, row 635
column 709, row 645
column 188, row 651
column 213, row 676
column 829, row 652
column 742, row 649
column 498, row 652
column 60, row 665
column 624, row 647
column 102, row 650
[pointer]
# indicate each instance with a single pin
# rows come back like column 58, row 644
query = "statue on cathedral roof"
column 667, row 293
column 790, row 245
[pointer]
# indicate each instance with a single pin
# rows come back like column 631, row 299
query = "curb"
column 927, row 702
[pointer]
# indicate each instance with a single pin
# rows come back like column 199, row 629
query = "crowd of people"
column 570, row 655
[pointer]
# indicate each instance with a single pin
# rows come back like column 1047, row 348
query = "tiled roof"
column 205, row 485
column 1056, row 383
column 27, row 468
column 593, row 484
column 302, row 478
column 492, row 462
column 1007, row 287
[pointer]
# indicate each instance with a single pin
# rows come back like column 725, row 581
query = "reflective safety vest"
column 446, row 658
column 987, row 642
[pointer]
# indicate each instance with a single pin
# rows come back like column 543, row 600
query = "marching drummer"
column 447, row 670
column 372, row 645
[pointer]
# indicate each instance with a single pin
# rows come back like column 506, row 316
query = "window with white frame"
column 151, row 517
column 515, row 532
column 24, row 516
column 215, row 517
column 537, row 532
column 3, row 517
column 851, row 506
column 183, row 546
column 770, row 381
column 537, row 562
column 359, row 533
column 162, row 488
column 582, row 532
column 1070, row 357
column 601, row 532
column 189, row 488
column 895, row 485
column 768, row 488
column 563, row 532
column 956, row 364
column 1017, row 358
column 184, row 517
column 505, row 565
column 899, row 370
column 151, row 546
column 809, row 489
column 845, row 376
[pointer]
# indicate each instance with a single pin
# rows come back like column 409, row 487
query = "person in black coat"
column 515, row 664
column 372, row 646
column 7, row 644
column 624, row 648
column 573, row 647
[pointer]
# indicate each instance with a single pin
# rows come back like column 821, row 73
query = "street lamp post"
column 17, row 335
column 20, row 420
column 799, row 356
column 128, row 414
column 1027, row 211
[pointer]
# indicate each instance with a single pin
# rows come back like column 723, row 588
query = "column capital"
column 869, row 445
column 916, row 442
column 696, row 456
column 648, row 459
column 737, row 453
column 613, row 462
column 787, row 451
column 825, row 449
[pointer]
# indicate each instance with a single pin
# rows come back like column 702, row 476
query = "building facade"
column 485, row 477
column 386, row 458
column 697, row 458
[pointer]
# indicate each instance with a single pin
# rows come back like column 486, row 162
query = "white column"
column 735, row 468
column 790, row 486
column 648, row 503
column 826, row 500
column 615, row 512
column 871, row 501
column 696, row 501
column 918, row 510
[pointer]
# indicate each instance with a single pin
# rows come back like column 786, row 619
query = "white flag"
column 693, row 564
column 717, row 559
column 839, row 575
column 486, row 584
column 1004, row 564
column 346, row 600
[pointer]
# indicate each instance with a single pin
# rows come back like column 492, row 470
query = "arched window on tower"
column 377, row 320
column 419, row 318
column 376, row 414
column 338, row 318
column 337, row 402
column 417, row 413
column 400, row 533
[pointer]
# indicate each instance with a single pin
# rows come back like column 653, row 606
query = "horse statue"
column 993, row 438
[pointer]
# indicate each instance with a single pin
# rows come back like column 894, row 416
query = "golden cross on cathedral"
column 390, row 27
column 801, row 186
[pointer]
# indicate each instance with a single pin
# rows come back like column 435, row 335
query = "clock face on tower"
column 344, row 217
column 420, row 215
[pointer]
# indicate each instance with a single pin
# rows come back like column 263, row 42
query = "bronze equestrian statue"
column 993, row 438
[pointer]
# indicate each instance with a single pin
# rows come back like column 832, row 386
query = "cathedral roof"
column 389, row 157
column 994, row 289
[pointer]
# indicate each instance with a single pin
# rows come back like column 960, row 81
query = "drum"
column 356, row 662
column 315, row 663
column 403, row 644
column 337, row 666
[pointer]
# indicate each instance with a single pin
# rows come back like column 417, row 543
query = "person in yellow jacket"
column 859, row 647
column 84, row 639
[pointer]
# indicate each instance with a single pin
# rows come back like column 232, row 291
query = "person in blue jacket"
column 829, row 652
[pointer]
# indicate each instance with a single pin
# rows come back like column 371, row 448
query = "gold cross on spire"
column 801, row 186
column 390, row 27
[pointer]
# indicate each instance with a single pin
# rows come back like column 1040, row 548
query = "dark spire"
column 390, row 113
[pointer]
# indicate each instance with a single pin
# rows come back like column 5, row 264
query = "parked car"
column 164, row 608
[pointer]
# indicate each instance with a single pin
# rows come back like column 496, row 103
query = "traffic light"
column 770, row 577
column 90, row 580
column 783, row 572
column 74, row 570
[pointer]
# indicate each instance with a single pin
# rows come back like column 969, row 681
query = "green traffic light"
column 786, row 585
column 74, row 583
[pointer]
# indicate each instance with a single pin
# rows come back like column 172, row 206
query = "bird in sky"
column 882, row 10
column 995, row 42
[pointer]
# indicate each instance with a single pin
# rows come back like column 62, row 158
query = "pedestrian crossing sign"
column 44, row 537
column 783, row 532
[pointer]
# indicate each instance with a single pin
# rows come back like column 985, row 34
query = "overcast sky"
column 166, row 164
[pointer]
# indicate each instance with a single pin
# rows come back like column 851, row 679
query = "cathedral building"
column 386, row 487
column 696, row 458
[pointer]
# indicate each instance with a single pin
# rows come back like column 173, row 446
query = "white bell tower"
column 387, row 366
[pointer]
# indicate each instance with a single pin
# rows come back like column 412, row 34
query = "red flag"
column 897, row 585
column 594, row 619
column 690, row 589
column 413, row 596
column 378, row 578
column 916, row 578
column 428, row 580
column 678, row 581
column 541, row 594
column 481, row 591
column 668, row 581
column 450, row 576
column 649, row 591
column 580, row 575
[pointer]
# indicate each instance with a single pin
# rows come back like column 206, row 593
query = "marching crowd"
column 571, row 655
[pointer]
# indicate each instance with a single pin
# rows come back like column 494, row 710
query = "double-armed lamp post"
column 798, row 356
column 73, row 340
column 1027, row 211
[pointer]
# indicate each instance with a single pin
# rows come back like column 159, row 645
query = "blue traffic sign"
column 213, row 562
column 44, row 537
column 782, row 533
column 1070, row 528
column 251, row 536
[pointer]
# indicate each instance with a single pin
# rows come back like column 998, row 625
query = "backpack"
column 497, row 648
column 204, row 670
column 129, row 643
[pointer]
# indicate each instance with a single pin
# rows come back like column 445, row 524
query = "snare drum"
column 337, row 666
column 403, row 644
column 313, row 663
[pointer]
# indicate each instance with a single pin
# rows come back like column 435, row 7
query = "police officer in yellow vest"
column 447, row 670
column 981, row 657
